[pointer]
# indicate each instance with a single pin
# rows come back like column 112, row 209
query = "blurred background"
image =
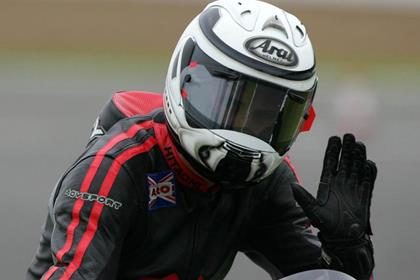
column 60, row 60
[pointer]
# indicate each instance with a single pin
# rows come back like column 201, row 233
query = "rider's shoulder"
column 125, row 104
column 124, row 113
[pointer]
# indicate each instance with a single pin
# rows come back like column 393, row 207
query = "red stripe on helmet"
column 307, row 125
column 184, row 93
column 193, row 64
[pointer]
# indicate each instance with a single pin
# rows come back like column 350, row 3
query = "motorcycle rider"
column 173, row 187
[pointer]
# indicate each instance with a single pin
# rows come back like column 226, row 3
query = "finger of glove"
column 366, row 192
column 323, row 193
column 303, row 197
column 374, row 172
column 366, row 187
column 346, row 154
column 331, row 157
column 364, row 207
column 307, row 202
column 359, row 158
column 358, row 161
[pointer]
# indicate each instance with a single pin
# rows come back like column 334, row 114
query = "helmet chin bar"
column 227, row 161
column 232, row 166
column 228, row 166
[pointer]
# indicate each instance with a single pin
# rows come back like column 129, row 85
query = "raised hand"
column 341, row 210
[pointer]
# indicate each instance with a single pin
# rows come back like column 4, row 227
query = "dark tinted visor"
column 215, row 97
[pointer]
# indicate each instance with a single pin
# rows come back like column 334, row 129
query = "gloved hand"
column 341, row 210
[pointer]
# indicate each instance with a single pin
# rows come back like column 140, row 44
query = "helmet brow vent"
column 302, row 34
column 175, row 67
column 275, row 22
column 241, row 151
column 187, row 53
column 245, row 13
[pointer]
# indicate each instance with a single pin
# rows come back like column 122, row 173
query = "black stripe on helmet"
column 207, row 21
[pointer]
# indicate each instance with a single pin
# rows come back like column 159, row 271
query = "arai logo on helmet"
column 272, row 50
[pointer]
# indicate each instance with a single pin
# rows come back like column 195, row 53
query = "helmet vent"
column 175, row 67
column 246, row 13
column 302, row 34
column 274, row 22
column 241, row 151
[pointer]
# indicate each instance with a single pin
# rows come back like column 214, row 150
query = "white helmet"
column 239, row 87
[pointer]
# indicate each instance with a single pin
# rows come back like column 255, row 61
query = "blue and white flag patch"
column 162, row 190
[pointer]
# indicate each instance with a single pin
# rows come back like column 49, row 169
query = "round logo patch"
column 272, row 50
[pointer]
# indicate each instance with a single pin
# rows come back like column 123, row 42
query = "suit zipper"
column 190, row 270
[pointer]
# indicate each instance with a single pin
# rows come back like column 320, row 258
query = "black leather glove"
column 341, row 210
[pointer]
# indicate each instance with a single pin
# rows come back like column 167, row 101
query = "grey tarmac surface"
column 47, row 110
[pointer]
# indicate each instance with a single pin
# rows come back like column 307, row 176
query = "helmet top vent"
column 247, row 12
column 302, row 33
column 275, row 22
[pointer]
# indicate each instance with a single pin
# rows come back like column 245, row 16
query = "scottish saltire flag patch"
column 162, row 190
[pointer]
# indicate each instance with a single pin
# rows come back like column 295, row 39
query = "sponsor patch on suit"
column 162, row 190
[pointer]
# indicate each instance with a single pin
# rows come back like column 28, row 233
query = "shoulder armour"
column 125, row 104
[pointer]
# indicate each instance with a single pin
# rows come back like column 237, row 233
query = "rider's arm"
column 282, row 242
column 280, row 238
column 341, row 209
column 91, row 214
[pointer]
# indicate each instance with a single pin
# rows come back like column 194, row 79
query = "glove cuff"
column 354, row 257
column 344, row 242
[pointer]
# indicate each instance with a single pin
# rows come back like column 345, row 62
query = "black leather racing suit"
column 131, row 208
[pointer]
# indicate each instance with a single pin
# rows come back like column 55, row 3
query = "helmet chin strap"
column 233, row 168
